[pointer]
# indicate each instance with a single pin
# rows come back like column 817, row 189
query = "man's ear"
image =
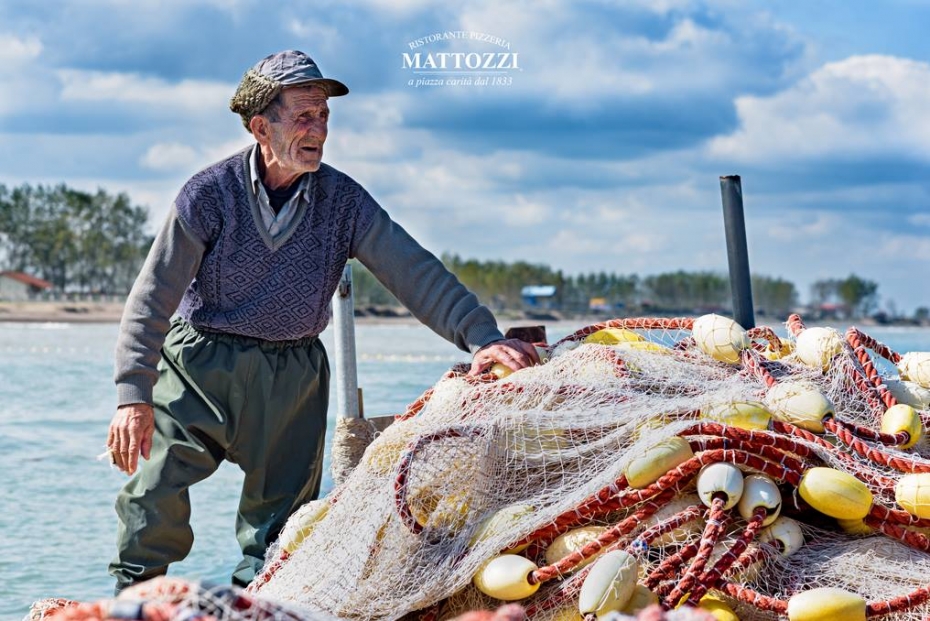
column 259, row 127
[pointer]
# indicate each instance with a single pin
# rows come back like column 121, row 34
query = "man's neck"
column 272, row 175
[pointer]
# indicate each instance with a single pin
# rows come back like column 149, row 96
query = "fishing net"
column 646, row 461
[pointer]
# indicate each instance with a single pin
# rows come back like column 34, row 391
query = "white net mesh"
column 408, row 530
column 484, row 466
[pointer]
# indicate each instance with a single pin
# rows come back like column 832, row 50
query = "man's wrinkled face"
column 298, row 128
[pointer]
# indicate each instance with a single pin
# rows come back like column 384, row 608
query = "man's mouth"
column 311, row 149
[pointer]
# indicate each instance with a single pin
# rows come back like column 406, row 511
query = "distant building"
column 18, row 287
column 539, row 296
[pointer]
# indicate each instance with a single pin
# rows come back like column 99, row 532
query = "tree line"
column 96, row 243
column 499, row 284
column 78, row 241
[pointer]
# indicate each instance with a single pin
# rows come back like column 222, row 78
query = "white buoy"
column 720, row 337
column 506, row 577
column 723, row 479
column 909, row 393
column 760, row 491
column 915, row 366
column 816, row 347
column 786, row 532
column 800, row 404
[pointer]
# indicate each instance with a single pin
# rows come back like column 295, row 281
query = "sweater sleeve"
column 422, row 283
column 170, row 267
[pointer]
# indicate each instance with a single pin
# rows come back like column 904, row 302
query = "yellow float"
column 718, row 607
column 641, row 599
column 826, row 604
column 647, row 468
column 572, row 541
column 837, row 494
column 432, row 509
column 642, row 346
column 912, row 493
column 786, row 349
column 900, row 418
column 609, row 584
column 301, row 524
column 613, row 336
column 500, row 521
column 500, row 371
column 686, row 531
column 749, row 415
column 855, row 527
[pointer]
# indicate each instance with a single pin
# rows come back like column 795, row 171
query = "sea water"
column 57, row 523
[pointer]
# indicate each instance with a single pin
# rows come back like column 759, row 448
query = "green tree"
column 824, row 291
column 775, row 296
column 859, row 296
column 687, row 291
column 75, row 240
column 368, row 290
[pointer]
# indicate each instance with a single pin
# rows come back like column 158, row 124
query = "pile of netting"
column 648, row 465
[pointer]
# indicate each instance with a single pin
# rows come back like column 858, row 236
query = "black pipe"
column 737, row 254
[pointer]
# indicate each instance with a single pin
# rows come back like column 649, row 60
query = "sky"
column 601, row 150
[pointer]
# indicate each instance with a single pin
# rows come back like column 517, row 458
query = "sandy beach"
column 70, row 312
column 107, row 312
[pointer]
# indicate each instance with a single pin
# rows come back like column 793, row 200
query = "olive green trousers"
column 259, row 404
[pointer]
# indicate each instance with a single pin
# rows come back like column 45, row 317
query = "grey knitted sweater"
column 216, row 265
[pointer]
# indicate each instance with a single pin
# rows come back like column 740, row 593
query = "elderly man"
column 247, row 261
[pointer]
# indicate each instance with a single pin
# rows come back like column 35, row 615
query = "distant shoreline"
column 111, row 312
column 61, row 312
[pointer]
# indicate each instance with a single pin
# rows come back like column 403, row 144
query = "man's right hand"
column 131, row 433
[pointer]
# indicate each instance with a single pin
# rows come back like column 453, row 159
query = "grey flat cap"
column 262, row 83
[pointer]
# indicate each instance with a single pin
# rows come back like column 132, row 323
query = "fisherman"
column 218, row 356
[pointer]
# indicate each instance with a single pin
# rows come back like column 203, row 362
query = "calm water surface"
column 56, row 398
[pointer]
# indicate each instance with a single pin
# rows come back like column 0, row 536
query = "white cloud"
column 178, row 157
column 14, row 49
column 520, row 210
column 860, row 106
column 686, row 35
column 804, row 227
column 920, row 219
column 159, row 6
column 169, row 156
column 398, row 6
column 133, row 88
column 21, row 73
column 325, row 37
column 591, row 55
column 898, row 247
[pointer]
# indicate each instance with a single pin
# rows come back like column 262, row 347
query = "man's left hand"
column 512, row 353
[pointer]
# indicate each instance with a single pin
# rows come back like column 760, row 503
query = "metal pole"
column 344, row 328
column 737, row 254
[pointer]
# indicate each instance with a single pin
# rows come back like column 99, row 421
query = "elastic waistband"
column 241, row 339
